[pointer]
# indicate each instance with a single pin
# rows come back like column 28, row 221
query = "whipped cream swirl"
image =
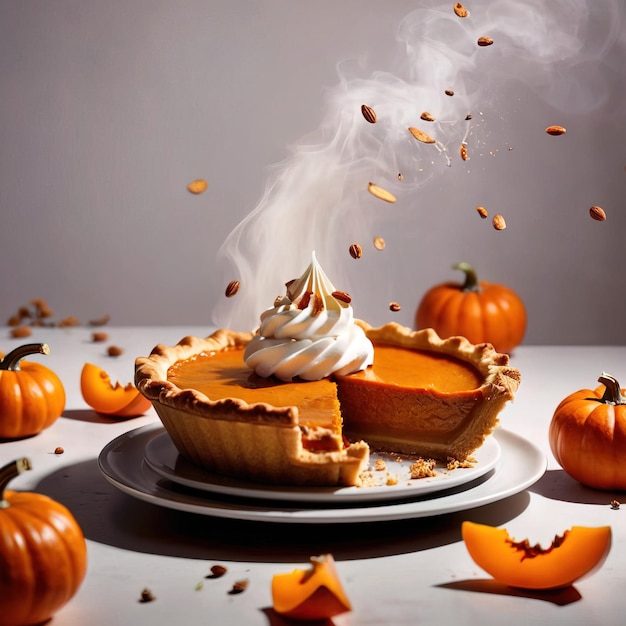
column 309, row 333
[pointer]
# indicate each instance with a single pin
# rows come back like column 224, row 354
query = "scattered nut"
column 449, row 92
column 484, row 41
column 368, row 113
column 100, row 321
column 356, row 252
column 68, row 321
column 379, row 243
column 468, row 117
column 217, row 571
column 239, row 586
column 400, row 176
column 463, row 152
column 146, row 596
column 380, row 193
column 59, row 450
column 460, row 10
column 342, row 296
column 232, row 288
column 427, row 117
column 394, row 306
column 114, row 351
column 482, row 211
column 498, row 222
column 21, row 331
column 615, row 505
column 597, row 213
column 197, row 186
column 99, row 337
column 555, row 131
column 421, row 135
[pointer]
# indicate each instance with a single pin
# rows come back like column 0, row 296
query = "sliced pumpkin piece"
column 104, row 397
column 577, row 552
column 312, row 594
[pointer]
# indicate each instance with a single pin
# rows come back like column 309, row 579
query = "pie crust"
column 263, row 442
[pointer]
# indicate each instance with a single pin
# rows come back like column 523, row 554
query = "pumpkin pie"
column 422, row 395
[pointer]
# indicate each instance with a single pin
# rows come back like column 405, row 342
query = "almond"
column 597, row 213
column 449, row 92
column 463, row 152
column 460, row 10
column 427, row 117
column 482, row 211
column 484, row 41
column 380, row 193
column 342, row 296
column 421, row 135
column 21, row 331
column 232, row 288
column 394, row 306
column 555, row 131
column 379, row 243
column 197, row 186
column 356, row 252
column 305, row 300
column 368, row 113
column 115, row 351
column 498, row 222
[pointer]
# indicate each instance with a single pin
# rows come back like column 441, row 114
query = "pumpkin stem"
column 12, row 360
column 8, row 473
column 471, row 278
column 613, row 392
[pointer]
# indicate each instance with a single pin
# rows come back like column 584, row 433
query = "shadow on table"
column 112, row 517
column 558, row 485
column 560, row 597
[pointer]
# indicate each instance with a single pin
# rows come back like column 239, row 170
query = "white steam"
column 317, row 199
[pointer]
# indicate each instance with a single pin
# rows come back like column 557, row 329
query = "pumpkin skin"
column 315, row 594
column 32, row 396
column 43, row 554
column 481, row 312
column 104, row 397
column 588, row 435
column 578, row 552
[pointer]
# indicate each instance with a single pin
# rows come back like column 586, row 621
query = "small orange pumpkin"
column 315, row 594
column 32, row 396
column 477, row 310
column 43, row 553
column 576, row 553
column 588, row 435
column 104, row 397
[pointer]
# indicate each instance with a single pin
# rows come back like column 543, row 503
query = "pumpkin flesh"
column 315, row 594
column 104, row 397
column 575, row 554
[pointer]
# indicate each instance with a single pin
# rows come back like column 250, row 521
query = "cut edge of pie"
column 262, row 442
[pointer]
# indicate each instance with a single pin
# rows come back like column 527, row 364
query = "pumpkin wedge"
column 315, row 594
column 104, row 397
column 577, row 552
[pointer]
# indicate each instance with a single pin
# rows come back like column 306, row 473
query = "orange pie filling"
column 423, row 395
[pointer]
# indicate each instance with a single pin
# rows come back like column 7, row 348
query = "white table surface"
column 395, row 573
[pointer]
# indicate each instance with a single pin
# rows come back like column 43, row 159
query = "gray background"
column 108, row 110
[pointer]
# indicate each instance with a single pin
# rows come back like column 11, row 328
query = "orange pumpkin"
column 480, row 311
column 588, row 435
column 578, row 552
column 43, row 553
column 104, row 397
column 32, row 396
column 315, row 594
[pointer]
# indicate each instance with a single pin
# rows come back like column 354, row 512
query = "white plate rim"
column 121, row 461
column 161, row 456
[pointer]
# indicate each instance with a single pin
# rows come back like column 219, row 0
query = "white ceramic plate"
column 122, row 462
column 163, row 457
